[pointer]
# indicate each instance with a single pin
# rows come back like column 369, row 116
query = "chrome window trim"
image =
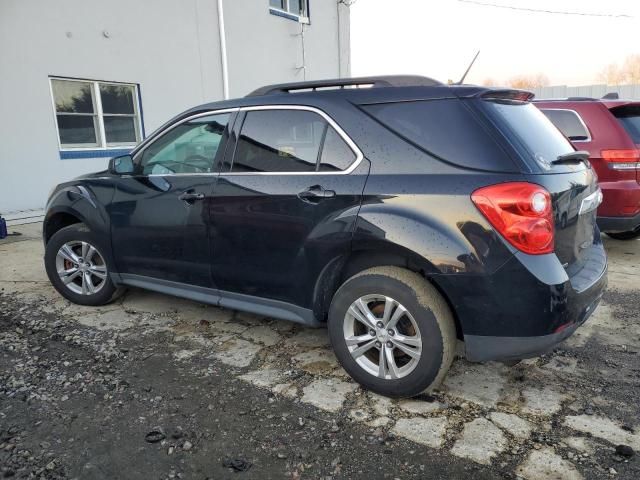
column 354, row 148
column 584, row 125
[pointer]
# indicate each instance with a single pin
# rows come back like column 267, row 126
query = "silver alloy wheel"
column 81, row 267
column 382, row 336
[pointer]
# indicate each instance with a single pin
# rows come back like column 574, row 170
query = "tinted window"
column 569, row 123
column 279, row 141
column 191, row 147
column 336, row 154
column 445, row 128
column 629, row 118
column 534, row 133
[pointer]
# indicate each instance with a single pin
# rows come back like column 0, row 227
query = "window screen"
column 569, row 123
column 76, row 113
column 336, row 154
column 279, row 141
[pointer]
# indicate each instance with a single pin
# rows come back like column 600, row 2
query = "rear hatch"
column 628, row 116
column 572, row 183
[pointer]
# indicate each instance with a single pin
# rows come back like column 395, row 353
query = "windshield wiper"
column 572, row 157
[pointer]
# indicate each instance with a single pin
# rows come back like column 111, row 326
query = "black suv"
column 405, row 216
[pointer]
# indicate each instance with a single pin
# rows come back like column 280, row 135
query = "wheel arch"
column 381, row 254
column 58, row 220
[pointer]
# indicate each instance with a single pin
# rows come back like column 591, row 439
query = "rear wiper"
column 572, row 157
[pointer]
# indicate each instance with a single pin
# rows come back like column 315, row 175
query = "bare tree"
column 612, row 74
column 528, row 81
column 489, row 82
column 631, row 69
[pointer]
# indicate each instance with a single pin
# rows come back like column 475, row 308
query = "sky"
column 438, row 38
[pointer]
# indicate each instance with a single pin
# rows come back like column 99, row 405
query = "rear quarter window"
column 447, row 129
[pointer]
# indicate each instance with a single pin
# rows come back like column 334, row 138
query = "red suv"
column 609, row 129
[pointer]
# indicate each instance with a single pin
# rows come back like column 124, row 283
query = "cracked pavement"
column 81, row 387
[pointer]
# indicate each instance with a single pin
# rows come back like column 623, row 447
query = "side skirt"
column 220, row 298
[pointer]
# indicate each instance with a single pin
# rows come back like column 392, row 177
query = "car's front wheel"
column 392, row 331
column 75, row 263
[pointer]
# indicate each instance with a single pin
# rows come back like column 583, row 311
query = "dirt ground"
column 158, row 387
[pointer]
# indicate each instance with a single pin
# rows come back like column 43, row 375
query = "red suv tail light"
column 622, row 159
column 521, row 212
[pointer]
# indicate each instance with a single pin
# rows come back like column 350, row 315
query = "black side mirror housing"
column 122, row 165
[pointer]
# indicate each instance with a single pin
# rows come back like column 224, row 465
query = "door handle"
column 315, row 193
column 190, row 196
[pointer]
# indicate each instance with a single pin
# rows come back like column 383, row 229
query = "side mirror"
column 122, row 165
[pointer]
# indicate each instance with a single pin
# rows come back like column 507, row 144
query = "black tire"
column 79, row 233
column 430, row 312
column 632, row 235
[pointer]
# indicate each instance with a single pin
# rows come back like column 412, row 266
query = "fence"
column 627, row 92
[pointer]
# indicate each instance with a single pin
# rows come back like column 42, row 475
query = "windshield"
column 534, row 133
column 629, row 118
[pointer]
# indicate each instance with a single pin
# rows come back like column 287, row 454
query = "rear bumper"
column 480, row 348
column 526, row 307
column 619, row 224
column 620, row 208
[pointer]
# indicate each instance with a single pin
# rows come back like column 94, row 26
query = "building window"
column 293, row 9
column 96, row 115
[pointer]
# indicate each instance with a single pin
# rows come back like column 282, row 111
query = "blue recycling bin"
column 3, row 228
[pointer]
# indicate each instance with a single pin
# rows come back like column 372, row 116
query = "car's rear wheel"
column 632, row 235
column 392, row 331
column 76, row 266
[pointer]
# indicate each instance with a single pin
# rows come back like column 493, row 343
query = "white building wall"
column 170, row 48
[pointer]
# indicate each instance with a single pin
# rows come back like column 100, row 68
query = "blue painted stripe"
column 71, row 154
column 280, row 13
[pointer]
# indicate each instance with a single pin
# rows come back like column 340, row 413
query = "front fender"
column 85, row 200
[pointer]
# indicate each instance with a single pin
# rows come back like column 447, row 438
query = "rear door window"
column 445, row 128
column 336, row 154
column 569, row 123
column 279, row 141
column 531, row 132
column 629, row 118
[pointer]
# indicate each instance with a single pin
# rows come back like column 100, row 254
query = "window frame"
column 99, row 114
column 287, row 13
column 580, row 120
column 331, row 123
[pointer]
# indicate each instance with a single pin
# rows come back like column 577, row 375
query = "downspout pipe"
column 223, row 52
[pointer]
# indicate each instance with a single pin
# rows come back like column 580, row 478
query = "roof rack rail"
column 340, row 83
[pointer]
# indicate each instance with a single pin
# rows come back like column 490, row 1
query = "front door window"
column 188, row 148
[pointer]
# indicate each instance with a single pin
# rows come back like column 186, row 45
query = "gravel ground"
column 157, row 387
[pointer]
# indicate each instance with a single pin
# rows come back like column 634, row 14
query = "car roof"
column 380, row 89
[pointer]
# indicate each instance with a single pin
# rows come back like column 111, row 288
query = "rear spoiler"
column 512, row 95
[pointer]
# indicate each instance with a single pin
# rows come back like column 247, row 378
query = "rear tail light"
column 622, row 159
column 521, row 212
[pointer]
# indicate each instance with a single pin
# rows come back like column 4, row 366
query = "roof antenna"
column 459, row 82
